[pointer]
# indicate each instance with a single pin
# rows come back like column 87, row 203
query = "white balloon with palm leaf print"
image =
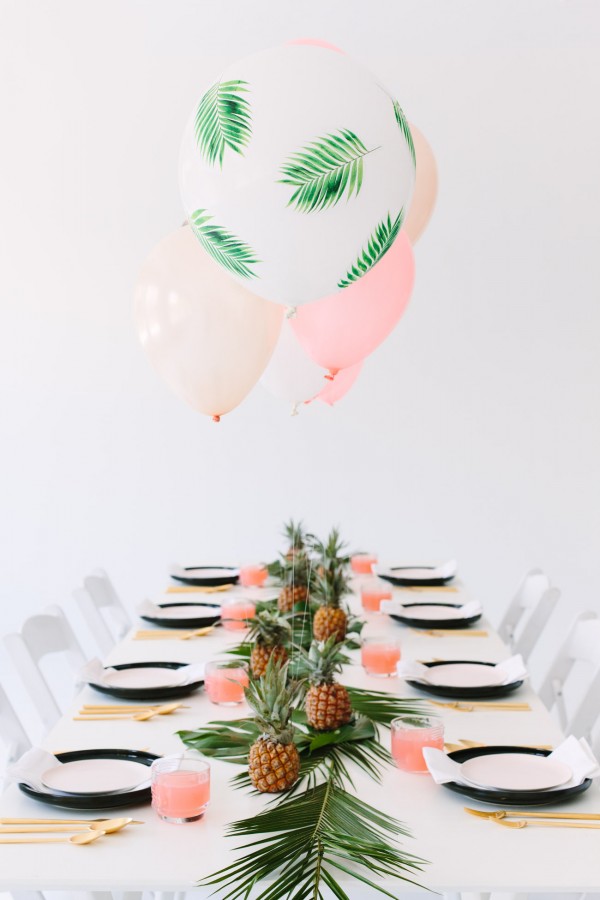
column 296, row 170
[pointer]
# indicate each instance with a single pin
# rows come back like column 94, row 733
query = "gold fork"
column 505, row 814
column 171, row 634
column 137, row 717
column 523, row 824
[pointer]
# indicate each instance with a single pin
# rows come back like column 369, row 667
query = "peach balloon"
column 342, row 329
column 205, row 334
column 341, row 384
column 426, row 188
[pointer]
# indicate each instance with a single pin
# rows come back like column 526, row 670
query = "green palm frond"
column 223, row 120
column 379, row 243
column 225, row 248
column 405, row 129
column 380, row 707
column 324, row 170
column 307, row 839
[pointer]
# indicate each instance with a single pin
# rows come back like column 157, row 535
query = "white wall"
column 472, row 432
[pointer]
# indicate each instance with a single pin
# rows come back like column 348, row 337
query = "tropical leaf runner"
column 325, row 170
column 379, row 243
column 405, row 129
column 223, row 120
column 225, row 248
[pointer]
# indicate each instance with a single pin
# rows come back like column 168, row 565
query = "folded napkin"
column 30, row 768
column 147, row 608
column 397, row 608
column 94, row 672
column 575, row 752
column 513, row 669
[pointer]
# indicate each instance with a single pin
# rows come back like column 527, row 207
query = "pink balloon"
column 341, row 384
column 316, row 42
column 342, row 329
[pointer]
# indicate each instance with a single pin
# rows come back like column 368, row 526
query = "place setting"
column 418, row 576
column 204, row 576
column 432, row 615
column 188, row 615
column 465, row 679
column 144, row 680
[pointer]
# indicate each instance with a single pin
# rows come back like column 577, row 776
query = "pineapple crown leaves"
column 271, row 699
column 322, row 661
column 270, row 630
column 333, row 550
column 295, row 533
column 330, row 586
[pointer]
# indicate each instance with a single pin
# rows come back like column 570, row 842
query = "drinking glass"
column 236, row 613
column 225, row 680
column 180, row 787
column 253, row 575
column 410, row 734
column 372, row 592
column 362, row 563
column 380, row 655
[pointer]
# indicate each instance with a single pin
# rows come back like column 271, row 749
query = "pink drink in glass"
column 362, row 563
column 253, row 576
column 235, row 614
column 224, row 684
column 409, row 736
column 180, row 789
column 371, row 596
column 380, row 656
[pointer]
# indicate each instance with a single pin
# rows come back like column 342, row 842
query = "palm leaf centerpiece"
column 325, row 170
column 223, row 120
column 225, row 248
column 379, row 243
column 405, row 129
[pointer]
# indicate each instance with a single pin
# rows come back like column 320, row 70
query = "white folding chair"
column 13, row 739
column 40, row 636
column 528, row 612
column 582, row 646
column 98, row 596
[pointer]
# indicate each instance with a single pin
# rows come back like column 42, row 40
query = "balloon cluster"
column 304, row 188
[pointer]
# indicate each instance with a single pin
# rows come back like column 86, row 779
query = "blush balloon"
column 341, row 384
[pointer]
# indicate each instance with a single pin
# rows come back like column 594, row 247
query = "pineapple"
column 269, row 632
column 327, row 704
column 273, row 761
column 330, row 587
column 295, row 575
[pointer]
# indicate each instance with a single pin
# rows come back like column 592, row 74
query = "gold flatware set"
column 198, row 589
column 171, row 634
column 542, row 819
column 462, row 744
column 102, row 713
column 481, row 706
column 451, row 632
column 86, row 830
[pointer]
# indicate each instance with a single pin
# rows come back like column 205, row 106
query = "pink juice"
column 371, row 598
column 380, row 658
column 226, row 686
column 362, row 563
column 408, row 744
column 253, row 576
column 235, row 616
column 181, row 794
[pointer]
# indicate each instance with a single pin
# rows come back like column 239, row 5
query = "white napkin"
column 575, row 752
column 95, row 672
column 147, row 608
column 30, row 768
column 397, row 608
column 513, row 669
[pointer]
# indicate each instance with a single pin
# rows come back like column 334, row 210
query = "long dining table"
column 464, row 853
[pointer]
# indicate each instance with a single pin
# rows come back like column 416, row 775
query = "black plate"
column 455, row 693
column 511, row 798
column 436, row 623
column 210, row 581
column 165, row 693
column 191, row 622
column 394, row 576
column 97, row 801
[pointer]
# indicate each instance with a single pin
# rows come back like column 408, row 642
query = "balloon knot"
column 294, row 411
column 216, row 418
column 329, row 377
column 291, row 312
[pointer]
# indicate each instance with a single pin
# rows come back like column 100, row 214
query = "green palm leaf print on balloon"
column 225, row 248
column 379, row 243
column 223, row 120
column 405, row 129
column 325, row 170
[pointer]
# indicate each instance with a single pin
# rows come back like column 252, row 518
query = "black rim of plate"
column 456, row 693
column 191, row 622
column 406, row 581
column 511, row 798
column 164, row 693
column 97, row 801
column 209, row 580
column 436, row 623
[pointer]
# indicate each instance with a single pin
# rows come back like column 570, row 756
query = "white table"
column 465, row 853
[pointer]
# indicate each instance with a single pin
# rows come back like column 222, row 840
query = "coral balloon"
column 316, row 42
column 292, row 375
column 426, row 188
column 207, row 336
column 341, row 384
column 340, row 330
column 292, row 162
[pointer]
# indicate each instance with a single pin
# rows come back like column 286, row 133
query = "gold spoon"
column 108, row 826
column 86, row 837
column 523, row 824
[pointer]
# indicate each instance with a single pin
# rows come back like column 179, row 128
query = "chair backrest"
column 13, row 739
column 98, row 595
column 582, row 645
column 40, row 636
column 528, row 612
